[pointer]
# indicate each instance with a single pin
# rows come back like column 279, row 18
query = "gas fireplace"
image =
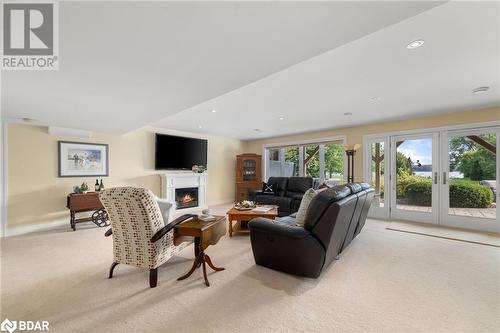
column 186, row 197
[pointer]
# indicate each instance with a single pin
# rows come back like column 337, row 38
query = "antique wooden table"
column 85, row 202
column 243, row 216
column 205, row 234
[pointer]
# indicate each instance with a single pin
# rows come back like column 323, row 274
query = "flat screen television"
column 179, row 153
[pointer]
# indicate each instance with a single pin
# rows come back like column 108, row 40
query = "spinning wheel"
column 100, row 218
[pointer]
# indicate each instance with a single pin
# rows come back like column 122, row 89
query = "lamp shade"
column 354, row 146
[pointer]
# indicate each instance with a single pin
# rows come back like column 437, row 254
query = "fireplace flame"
column 187, row 198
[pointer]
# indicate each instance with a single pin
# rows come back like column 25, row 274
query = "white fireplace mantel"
column 176, row 180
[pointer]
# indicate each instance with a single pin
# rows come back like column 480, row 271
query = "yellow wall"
column 355, row 134
column 36, row 195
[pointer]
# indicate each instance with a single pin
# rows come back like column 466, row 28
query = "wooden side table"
column 205, row 234
column 86, row 202
column 243, row 216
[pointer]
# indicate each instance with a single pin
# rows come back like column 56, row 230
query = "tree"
column 478, row 165
column 403, row 164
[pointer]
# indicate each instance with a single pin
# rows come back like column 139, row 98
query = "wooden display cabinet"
column 248, row 175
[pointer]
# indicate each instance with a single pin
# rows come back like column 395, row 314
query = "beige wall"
column 36, row 195
column 355, row 134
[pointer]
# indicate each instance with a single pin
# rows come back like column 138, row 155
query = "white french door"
column 469, row 175
column 414, row 177
column 446, row 177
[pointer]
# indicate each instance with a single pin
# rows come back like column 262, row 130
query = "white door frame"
column 413, row 215
column 484, row 224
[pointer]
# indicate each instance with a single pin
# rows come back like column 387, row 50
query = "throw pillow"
column 304, row 205
column 268, row 188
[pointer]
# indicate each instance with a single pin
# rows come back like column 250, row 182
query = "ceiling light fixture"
column 375, row 99
column 282, row 118
column 415, row 44
column 348, row 114
column 199, row 126
column 27, row 120
column 213, row 111
column 480, row 90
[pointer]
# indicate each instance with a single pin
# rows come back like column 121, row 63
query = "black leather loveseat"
column 334, row 217
column 288, row 193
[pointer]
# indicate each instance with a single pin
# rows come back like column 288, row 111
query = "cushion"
column 268, row 189
column 165, row 207
column 304, row 205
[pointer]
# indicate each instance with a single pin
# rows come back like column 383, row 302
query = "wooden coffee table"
column 243, row 216
column 205, row 234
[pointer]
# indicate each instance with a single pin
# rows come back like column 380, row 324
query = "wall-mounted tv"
column 177, row 152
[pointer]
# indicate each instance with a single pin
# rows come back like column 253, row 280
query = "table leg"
column 72, row 220
column 230, row 220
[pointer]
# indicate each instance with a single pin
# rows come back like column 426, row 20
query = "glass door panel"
column 470, row 176
column 377, row 175
column 333, row 171
column 414, row 178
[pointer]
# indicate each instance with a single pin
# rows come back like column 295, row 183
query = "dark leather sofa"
column 334, row 217
column 289, row 193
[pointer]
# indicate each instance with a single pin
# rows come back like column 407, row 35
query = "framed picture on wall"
column 79, row 159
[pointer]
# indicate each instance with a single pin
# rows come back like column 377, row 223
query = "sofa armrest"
column 267, row 225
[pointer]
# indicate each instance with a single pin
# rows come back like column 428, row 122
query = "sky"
column 417, row 149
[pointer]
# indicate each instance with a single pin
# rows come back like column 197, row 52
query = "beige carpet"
column 385, row 282
column 485, row 238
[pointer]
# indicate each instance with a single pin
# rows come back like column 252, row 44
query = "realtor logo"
column 8, row 325
column 24, row 325
column 29, row 38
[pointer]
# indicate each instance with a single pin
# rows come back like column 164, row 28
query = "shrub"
column 419, row 192
column 464, row 193
column 469, row 194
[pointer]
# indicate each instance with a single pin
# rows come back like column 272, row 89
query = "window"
column 322, row 161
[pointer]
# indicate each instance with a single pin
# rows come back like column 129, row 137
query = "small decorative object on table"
column 205, row 216
column 84, row 188
column 198, row 168
column 245, row 205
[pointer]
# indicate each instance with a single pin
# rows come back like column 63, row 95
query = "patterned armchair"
column 142, row 234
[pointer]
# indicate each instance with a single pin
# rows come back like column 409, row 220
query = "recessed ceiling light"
column 213, row 111
column 415, row 44
column 199, row 126
column 480, row 90
column 282, row 118
column 348, row 114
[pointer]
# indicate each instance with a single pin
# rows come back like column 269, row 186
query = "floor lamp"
column 350, row 151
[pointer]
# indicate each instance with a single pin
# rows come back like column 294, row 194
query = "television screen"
column 177, row 152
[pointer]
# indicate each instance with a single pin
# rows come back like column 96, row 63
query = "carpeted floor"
column 384, row 282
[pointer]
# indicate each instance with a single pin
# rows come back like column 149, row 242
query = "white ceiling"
column 461, row 52
column 124, row 65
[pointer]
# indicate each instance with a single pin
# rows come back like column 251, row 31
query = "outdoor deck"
column 489, row 213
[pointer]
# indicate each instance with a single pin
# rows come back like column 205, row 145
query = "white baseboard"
column 15, row 231
column 220, row 202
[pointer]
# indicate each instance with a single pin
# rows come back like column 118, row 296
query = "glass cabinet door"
column 249, row 170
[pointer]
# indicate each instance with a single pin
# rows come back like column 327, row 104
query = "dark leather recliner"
column 334, row 217
column 289, row 193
